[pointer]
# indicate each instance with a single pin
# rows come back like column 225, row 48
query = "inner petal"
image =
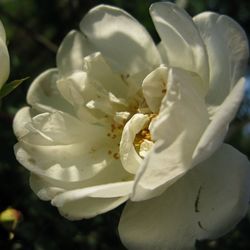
column 135, row 141
column 154, row 88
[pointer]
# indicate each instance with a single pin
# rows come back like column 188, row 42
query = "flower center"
column 144, row 136
column 140, row 137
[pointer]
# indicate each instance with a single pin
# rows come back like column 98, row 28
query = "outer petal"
column 89, row 202
column 227, row 50
column 22, row 117
column 4, row 57
column 57, row 146
column 47, row 188
column 43, row 189
column 223, row 202
column 217, row 129
column 121, row 39
column 181, row 40
column 177, row 129
column 205, row 203
column 71, row 52
column 63, row 162
column 43, row 94
column 58, row 128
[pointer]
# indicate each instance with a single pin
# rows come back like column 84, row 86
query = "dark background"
column 35, row 29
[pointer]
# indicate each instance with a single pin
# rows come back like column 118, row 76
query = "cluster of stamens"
column 143, row 135
column 115, row 132
column 140, row 137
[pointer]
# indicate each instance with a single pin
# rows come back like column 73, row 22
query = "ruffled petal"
column 99, row 71
column 176, row 131
column 181, row 43
column 61, row 147
column 47, row 188
column 89, row 202
column 70, row 163
column 58, row 128
column 227, row 49
column 206, row 203
column 96, row 88
column 44, row 96
column 71, row 52
column 73, row 87
column 121, row 39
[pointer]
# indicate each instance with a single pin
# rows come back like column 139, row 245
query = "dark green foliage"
column 9, row 87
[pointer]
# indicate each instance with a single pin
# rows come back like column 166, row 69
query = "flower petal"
column 154, row 87
column 59, row 128
column 63, row 148
column 95, row 82
column 162, row 51
column 121, row 39
column 22, row 117
column 47, row 188
column 4, row 59
column 206, row 203
column 87, row 94
column 180, row 39
column 227, row 50
column 98, row 70
column 2, row 32
column 177, row 129
column 130, row 159
column 43, row 189
column 73, row 87
column 89, row 202
column 71, row 52
column 62, row 162
column 223, row 202
column 216, row 131
column 44, row 96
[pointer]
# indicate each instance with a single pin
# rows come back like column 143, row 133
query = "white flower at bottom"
column 4, row 57
column 120, row 118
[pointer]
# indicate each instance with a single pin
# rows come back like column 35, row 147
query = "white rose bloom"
column 4, row 57
column 121, row 118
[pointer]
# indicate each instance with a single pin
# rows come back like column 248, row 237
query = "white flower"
column 4, row 57
column 121, row 118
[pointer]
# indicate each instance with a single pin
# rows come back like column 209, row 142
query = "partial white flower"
column 120, row 118
column 4, row 57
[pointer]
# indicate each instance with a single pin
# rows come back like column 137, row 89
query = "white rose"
column 120, row 118
column 4, row 57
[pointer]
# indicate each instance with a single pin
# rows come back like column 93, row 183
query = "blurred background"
column 35, row 29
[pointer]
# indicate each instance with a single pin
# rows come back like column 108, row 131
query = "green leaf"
column 9, row 87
